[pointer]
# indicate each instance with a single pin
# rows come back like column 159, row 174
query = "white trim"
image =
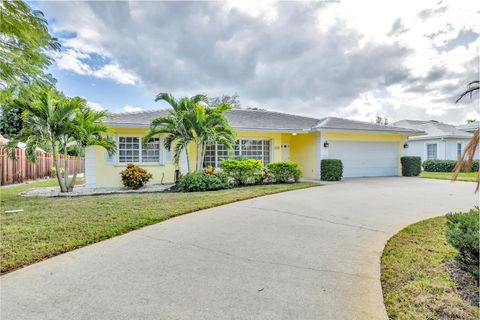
column 426, row 150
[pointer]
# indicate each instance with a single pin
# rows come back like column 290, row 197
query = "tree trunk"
column 188, row 159
column 199, row 156
column 65, row 161
column 63, row 187
column 75, row 171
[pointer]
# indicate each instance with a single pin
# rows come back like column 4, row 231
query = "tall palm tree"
column 48, row 119
column 211, row 126
column 466, row 160
column 90, row 131
column 177, row 125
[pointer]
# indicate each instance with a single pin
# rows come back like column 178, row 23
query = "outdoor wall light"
column 325, row 144
column 405, row 145
column 294, row 134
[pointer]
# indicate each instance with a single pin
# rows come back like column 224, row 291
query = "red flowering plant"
column 134, row 177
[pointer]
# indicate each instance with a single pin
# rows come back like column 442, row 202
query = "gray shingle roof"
column 262, row 120
column 353, row 125
column 469, row 127
column 434, row 129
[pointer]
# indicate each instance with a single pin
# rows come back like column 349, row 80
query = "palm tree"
column 90, row 131
column 177, row 125
column 211, row 126
column 191, row 120
column 466, row 160
column 47, row 120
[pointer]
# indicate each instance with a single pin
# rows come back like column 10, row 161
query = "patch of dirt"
column 467, row 285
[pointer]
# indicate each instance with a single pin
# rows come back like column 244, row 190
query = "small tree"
column 53, row 119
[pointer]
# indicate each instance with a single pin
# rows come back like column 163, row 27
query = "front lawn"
column 50, row 226
column 419, row 279
column 463, row 176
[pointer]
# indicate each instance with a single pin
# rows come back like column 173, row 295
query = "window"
column 252, row 149
column 130, row 149
column 459, row 150
column 432, row 151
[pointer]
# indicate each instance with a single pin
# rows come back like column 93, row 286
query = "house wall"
column 447, row 148
column 305, row 149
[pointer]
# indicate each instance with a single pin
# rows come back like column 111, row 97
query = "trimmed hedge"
column 284, row 171
column 331, row 170
column 411, row 166
column 199, row 181
column 445, row 165
column 463, row 233
column 243, row 171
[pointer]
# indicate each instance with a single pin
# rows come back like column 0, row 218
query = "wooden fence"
column 20, row 170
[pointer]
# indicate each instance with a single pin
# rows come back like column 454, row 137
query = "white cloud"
column 128, row 108
column 95, row 106
column 115, row 72
column 400, row 59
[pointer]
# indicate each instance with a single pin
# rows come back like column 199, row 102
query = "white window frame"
column 426, row 150
column 461, row 149
column 161, row 153
column 270, row 151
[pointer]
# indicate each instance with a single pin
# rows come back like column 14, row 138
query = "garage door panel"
column 366, row 159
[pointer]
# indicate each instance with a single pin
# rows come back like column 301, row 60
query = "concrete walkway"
column 306, row 254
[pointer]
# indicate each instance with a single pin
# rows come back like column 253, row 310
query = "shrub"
column 331, row 170
column 248, row 171
column 134, row 177
column 199, row 181
column 445, row 165
column 463, row 233
column 284, row 171
column 411, row 166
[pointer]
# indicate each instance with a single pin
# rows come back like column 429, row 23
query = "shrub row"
column 445, row 165
column 463, row 233
column 240, row 172
column 411, row 166
column 201, row 181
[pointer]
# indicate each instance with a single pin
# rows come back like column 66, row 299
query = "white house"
column 442, row 141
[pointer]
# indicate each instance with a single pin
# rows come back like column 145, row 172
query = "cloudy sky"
column 354, row 59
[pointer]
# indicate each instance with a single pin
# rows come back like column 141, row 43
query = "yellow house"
column 366, row 149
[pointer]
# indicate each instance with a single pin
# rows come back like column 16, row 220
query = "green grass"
column 50, row 226
column 463, row 176
column 415, row 281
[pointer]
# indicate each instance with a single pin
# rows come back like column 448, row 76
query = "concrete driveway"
column 306, row 254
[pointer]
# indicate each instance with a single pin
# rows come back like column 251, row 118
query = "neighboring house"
column 366, row 149
column 442, row 141
column 469, row 127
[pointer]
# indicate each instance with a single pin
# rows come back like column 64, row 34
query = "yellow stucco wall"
column 303, row 150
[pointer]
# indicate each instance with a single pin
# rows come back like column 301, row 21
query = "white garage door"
column 366, row 159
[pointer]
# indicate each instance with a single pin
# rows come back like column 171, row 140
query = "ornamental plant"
column 284, row 171
column 134, row 177
column 331, row 170
column 244, row 171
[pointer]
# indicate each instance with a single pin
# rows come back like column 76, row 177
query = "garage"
column 366, row 159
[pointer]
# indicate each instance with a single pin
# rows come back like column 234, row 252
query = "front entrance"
column 285, row 151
